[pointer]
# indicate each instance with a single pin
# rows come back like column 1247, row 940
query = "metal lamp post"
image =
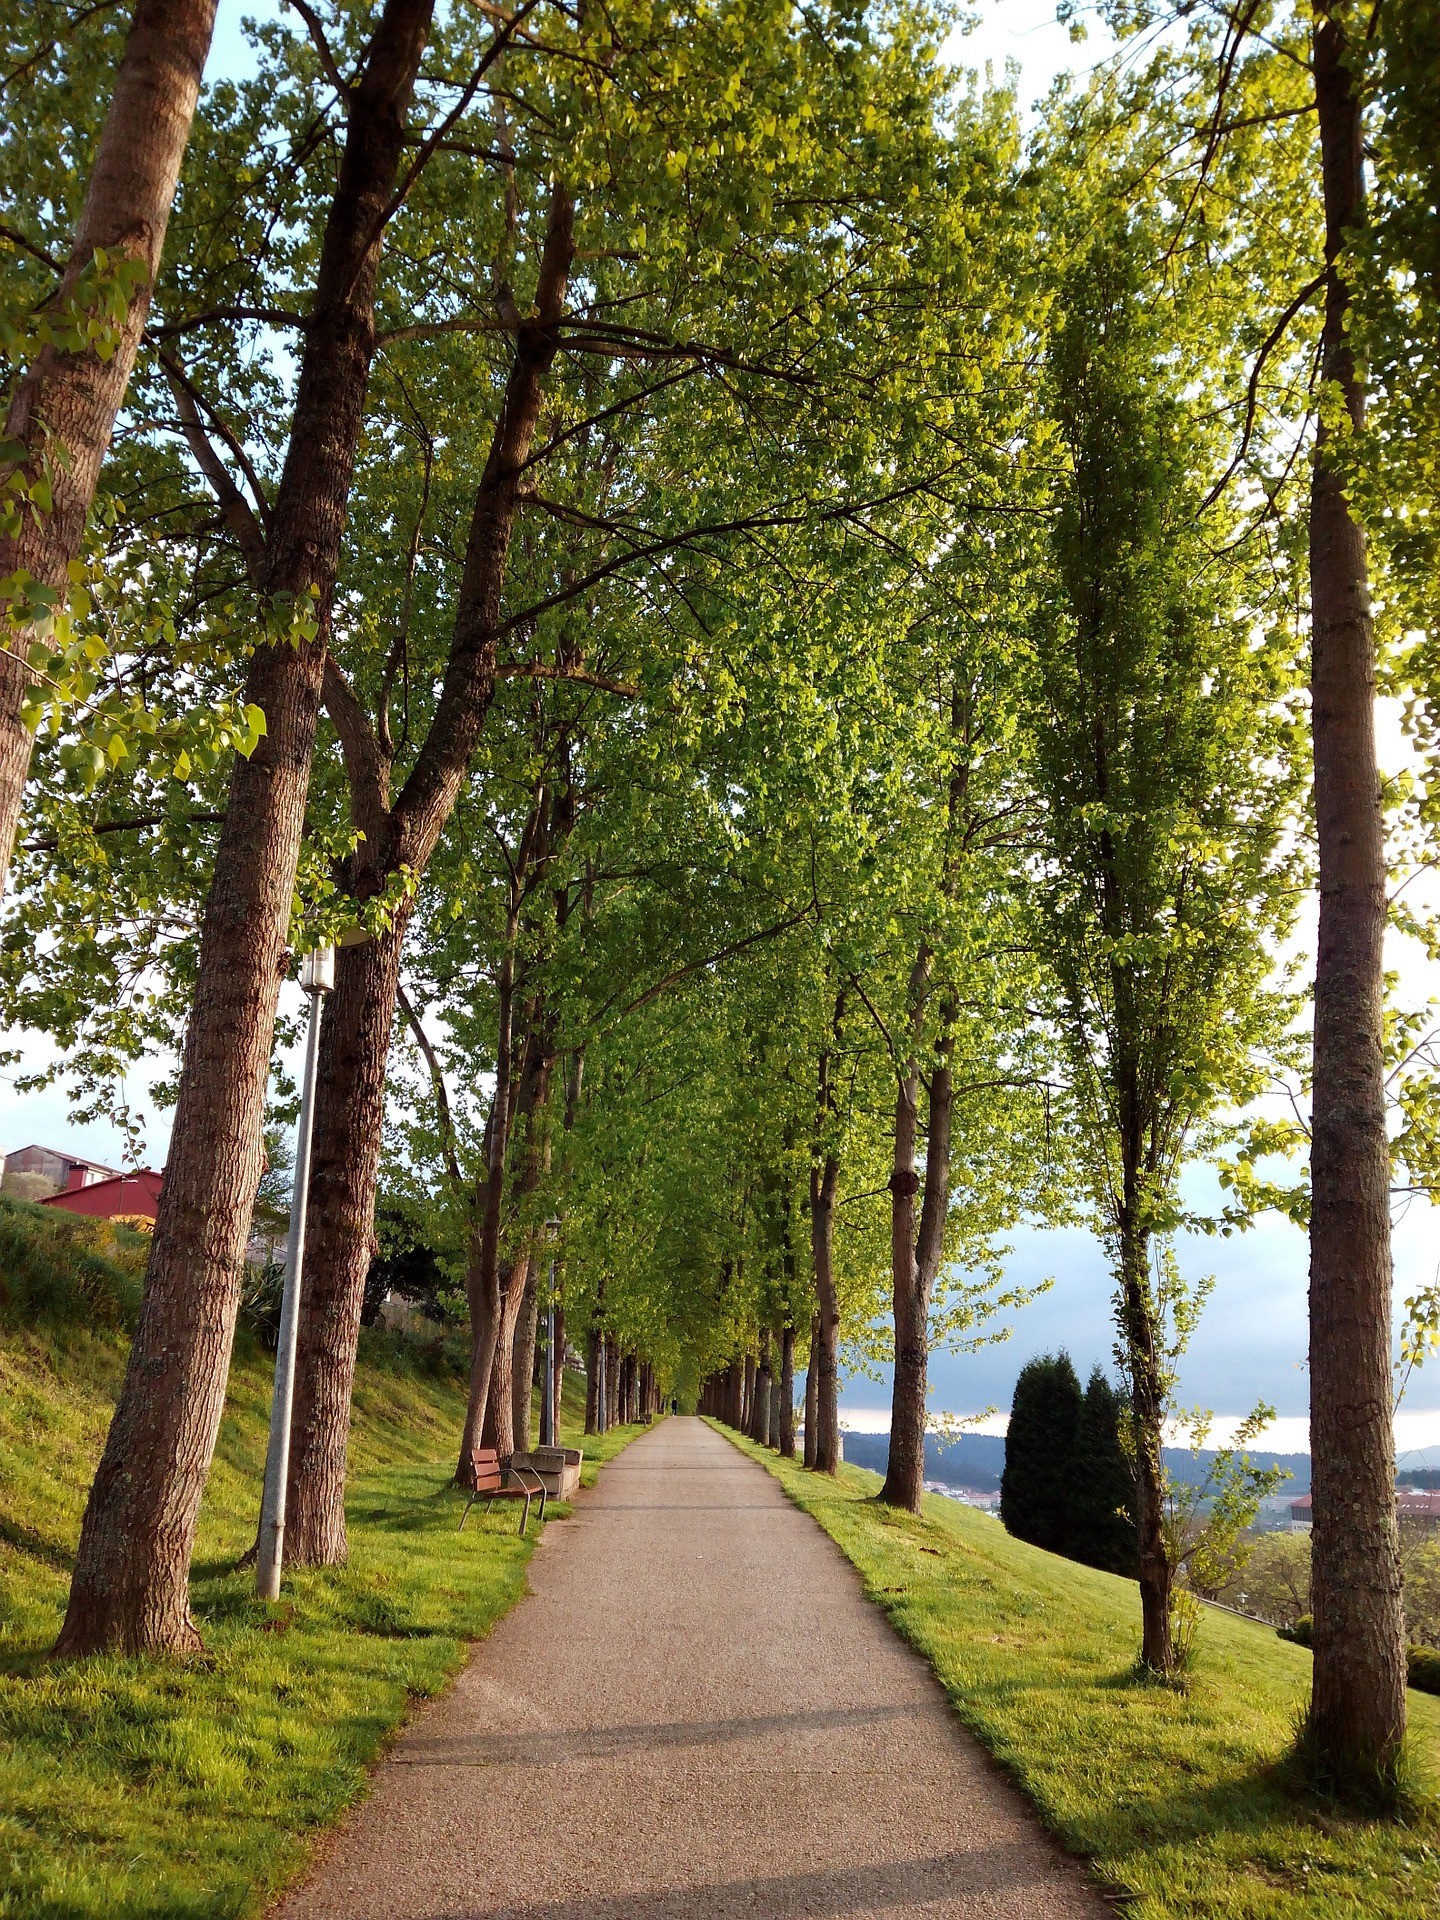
column 317, row 978
column 548, row 1410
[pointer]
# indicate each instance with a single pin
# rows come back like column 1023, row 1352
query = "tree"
column 1099, row 1517
column 130, row 1584
column 62, row 410
column 1357, row 1711
column 1037, row 1486
column 1164, row 758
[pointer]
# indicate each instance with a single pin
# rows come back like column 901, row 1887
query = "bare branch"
column 437, row 1082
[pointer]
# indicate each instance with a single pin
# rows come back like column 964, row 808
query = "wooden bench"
column 488, row 1477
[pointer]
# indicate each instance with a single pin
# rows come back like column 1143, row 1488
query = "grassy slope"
column 132, row 1787
column 1180, row 1800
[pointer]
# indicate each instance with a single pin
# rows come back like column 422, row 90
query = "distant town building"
column 61, row 1172
column 1411, row 1509
column 1417, row 1509
column 124, row 1196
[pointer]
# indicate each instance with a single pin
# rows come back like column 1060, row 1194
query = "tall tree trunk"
column 592, row 1381
column 734, row 1394
column 499, row 1427
column 1147, row 1412
column 760, row 1408
column 482, row 1271
column 612, row 1381
column 65, row 404
column 404, row 836
column 822, row 1433
column 522, row 1371
column 812, row 1397
column 905, row 1470
column 785, row 1438
column 339, row 1240
column 1357, row 1713
column 130, row 1585
column 747, row 1395
column 915, row 1255
column 558, row 1367
column 825, row 1356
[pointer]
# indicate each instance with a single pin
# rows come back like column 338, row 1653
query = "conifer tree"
column 1040, row 1452
column 1100, row 1521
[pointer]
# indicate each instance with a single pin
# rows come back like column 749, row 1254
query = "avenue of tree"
column 810, row 638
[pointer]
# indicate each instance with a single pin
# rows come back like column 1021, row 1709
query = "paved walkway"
column 709, row 1719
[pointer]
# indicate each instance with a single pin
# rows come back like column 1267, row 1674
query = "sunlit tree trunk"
column 64, row 406
column 812, row 1381
column 1357, row 1712
column 130, row 1585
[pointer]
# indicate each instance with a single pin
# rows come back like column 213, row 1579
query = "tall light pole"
column 548, row 1409
column 317, row 978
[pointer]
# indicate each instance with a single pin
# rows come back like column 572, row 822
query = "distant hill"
column 977, row 1460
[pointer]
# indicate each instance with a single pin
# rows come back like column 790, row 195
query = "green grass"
column 167, row 1788
column 1181, row 1801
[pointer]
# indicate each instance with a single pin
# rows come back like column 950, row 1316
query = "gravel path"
column 695, row 1714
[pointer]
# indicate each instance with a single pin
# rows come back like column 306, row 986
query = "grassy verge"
column 1181, row 1801
column 158, row 1788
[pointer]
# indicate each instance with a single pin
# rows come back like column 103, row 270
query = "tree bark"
column 822, row 1442
column 522, row 1371
column 1155, row 1570
column 130, row 1585
column 499, row 1426
column 559, row 1366
column 915, row 1256
column 760, row 1403
column 405, row 835
column 785, row 1437
column 1357, row 1712
column 69, row 401
column 592, row 1381
column 825, row 1359
column 339, row 1240
column 612, row 1381
column 812, row 1378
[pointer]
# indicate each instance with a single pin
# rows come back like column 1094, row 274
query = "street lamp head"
column 317, row 970
column 552, row 1225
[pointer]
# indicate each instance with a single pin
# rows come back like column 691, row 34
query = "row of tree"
column 770, row 616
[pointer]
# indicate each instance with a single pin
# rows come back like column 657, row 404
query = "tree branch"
column 366, row 767
column 328, row 62
column 437, row 1082
column 235, row 509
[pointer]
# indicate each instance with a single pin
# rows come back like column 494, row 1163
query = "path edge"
column 311, row 1843
column 1108, row 1886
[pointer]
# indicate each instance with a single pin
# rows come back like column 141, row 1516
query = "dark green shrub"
column 1424, row 1665
column 1302, row 1633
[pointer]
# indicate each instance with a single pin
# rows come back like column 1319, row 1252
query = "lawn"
column 161, row 1788
column 1181, row 1801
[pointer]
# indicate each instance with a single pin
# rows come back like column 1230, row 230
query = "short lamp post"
column 317, row 978
column 548, row 1409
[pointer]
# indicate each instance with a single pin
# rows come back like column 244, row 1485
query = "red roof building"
column 124, row 1196
column 1409, row 1505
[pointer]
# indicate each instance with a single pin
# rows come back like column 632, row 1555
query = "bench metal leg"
column 466, row 1514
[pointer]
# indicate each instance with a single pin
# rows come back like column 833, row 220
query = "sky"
column 1251, row 1342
